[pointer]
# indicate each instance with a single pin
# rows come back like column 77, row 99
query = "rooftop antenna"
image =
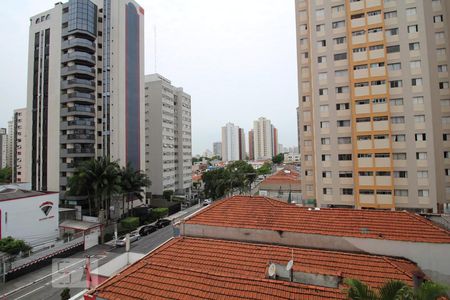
column 290, row 263
column 272, row 270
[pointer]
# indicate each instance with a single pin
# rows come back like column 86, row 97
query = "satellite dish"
column 290, row 264
column 272, row 270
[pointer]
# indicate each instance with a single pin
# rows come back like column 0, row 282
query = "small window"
column 414, row 46
column 413, row 28
column 412, row 11
column 442, row 68
column 390, row 14
column 438, row 19
column 393, row 49
column 340, row 56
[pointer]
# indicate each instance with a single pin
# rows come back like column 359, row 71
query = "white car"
column 207, row 202
column 121, row 241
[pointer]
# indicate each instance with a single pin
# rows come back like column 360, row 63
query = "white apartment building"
column 3, row 147
column 20, row 151
column 265, row 139
column 85, row 89
column 233, row 143
column 217, row 149
column 9, row 145
column 168, row 136
column 374, row 105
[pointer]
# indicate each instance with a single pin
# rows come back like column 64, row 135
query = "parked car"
column 121, row 241
column 147, row 229
column 162, row 223
column 207, row 202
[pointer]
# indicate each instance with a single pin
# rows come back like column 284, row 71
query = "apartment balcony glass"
column 78, row 56
column 78, row 69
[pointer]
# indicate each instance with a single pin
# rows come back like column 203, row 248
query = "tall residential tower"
column 85, row 88
column 265, row 139
column 374, row 105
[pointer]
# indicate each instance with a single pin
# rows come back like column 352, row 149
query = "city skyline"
column 227, row 67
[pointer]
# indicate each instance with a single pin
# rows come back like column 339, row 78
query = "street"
column 39, row 284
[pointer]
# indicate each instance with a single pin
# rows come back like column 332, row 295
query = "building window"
column 421, row 155
column 400, row 174
column 441, row 52
column 394, row 67
column 416, row 82
column 415, row 64
column 321, row 59
column 418, row 100
column 347, row 191
column 393, row 49
column 320, row 28
column 321, row 43
column 439, row 35
column 396, row 102
column 438, row 19
column 338, row 24
column 392, row 32
column 323, row 108
column 345, row 174
column 324, row 124
column 423, row 193
column 401, row 193
column 420, row 137
column 443, row 85
column 343, row 123
column 326, row 157
column 340, row 56
column 341, row 73
column 399, row 156
column 419, row 119
column 325, row 141
column 412, row 11
column 327, row 191
column 398, row 120
column 414, row 46
column 323, row 92
column 442, row 68
column 395, row 83
column 398, row 137
column 342, row 90
column 339, row 40
column 344, row 157
column 413, row 28
column 342, row 106
column 390, row 14
column 326, row 174
column 320, row 13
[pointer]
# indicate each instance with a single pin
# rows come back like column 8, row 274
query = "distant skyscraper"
column 265, row 139
column 251, row 147
column 9, row 145
column 85, row 89
column 3, row 147
column 217, row 149
column 168, row 136
column 374, row 117
column 233, row 141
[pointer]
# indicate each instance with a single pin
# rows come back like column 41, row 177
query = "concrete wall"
column 433, row 259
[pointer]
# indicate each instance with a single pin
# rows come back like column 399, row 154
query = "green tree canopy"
column 395, row 290
column 5, row 175
column 12, row 246
column 278, row 159
column 265, row 169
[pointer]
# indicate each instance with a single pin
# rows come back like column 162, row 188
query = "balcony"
column 365, row 162
column 375, row 36
column 362, row 73
column 374, row 54
column 78, row 43
column 373, row 3
column 78, row 97
column 362, row 108
column 78, row 152
column 367, row 199
column 374, row 19
column 381, row 125
column 382, row 162
column 366, row 180
column 381, row 143
column 78, row 138
column 364, row 144
column 78, row 124
column 78, row 110
column 78, row 83
column 78, row 69
column 359, row 39
column 359, row 22
column 361, row 91
column 385, row 199
column 380, row 107
column 378, row 71
column 359, row 56
column 379, row 89
column 363, row 126
column 357, row 5
column 383, row 180
column 78, row 56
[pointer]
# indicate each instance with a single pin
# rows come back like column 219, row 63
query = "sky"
column 237, row 60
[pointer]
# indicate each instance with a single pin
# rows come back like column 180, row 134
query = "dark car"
column 147, row 229
column 163, row 223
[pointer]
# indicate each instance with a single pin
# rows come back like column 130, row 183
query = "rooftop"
column 264, row 213
column 284, row 176
column 193, row 268
column 15, row 193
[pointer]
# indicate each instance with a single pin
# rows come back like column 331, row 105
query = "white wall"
column 24, row 219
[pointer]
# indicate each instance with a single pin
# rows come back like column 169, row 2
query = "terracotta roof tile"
column 270, row 214
column 195, row 268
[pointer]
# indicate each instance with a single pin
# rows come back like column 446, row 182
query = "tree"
column 265, row 169
column 167, row 194
column 132, row 184
column 278, row 159
column 65, row 294
column 242, row 175
column 12, row 246
column 216, row 183
column 5, row 175
column 395, row 289
column 97, row 178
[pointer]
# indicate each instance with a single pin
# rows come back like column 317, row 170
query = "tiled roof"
column 284, row 176
column 270, row 214
column 196, row 268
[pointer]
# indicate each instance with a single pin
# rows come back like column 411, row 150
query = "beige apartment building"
column 168, row 136
column 374, row 103
column 19, row 149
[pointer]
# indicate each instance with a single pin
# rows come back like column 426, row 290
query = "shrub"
column 130, row 223
column 160, row 212
column 13, row 246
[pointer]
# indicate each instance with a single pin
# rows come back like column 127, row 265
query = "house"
column 284, row 185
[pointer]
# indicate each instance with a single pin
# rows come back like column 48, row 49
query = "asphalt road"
column 44, row 282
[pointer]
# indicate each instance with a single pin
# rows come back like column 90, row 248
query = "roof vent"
column 365, row 230
column 289, row 272
column 316, row 208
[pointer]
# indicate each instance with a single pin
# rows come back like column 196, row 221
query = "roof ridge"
column 389, row 261
column 428, row 222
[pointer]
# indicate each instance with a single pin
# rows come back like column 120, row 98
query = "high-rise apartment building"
column 168, row 136
column 233, row 143
column 217, row 149
column 20, row 151
column 85, row 88
column 374, row 106
column 3, row 147
column 251, row 147
column 265, row 139
column 9, row 144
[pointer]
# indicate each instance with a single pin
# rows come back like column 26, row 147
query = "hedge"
column 130, row 223
column 158, row 213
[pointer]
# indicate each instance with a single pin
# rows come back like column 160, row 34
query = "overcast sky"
column 236, row 58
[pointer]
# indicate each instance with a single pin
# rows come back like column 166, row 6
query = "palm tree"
column 97, row 177
column 132, row 184
column 395, row 290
